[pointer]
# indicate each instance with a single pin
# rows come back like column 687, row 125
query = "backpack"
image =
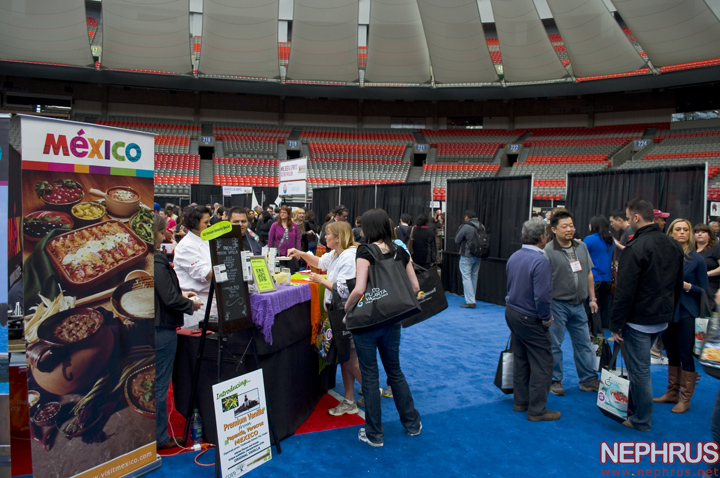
column 479, row 245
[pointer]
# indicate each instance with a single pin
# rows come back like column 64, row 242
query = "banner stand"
column 143, row 470
column 196, row 375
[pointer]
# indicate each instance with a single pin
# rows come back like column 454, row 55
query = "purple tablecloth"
column 265, row 306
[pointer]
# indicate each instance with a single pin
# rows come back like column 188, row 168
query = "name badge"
column 575, row 266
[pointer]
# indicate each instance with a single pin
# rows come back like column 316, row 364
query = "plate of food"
column 39, row 224
column 140, row 391
column 61, row 194
column 142, row 224
column 89, row 255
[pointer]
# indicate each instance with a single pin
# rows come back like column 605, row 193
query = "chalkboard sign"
column 233, row 298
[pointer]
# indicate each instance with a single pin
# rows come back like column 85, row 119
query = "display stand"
column 233, row 316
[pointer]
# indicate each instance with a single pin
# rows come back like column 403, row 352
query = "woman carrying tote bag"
column 378, row 234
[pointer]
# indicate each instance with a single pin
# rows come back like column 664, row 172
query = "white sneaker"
column 659, row 361
column 343, row 408
column 362, row 437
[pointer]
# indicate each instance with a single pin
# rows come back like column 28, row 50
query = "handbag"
column 710, row 353
column 432, row 300
column 613, row 395
column 504, row 372
column 341, row 335
column 388, row 297
column 701, row 323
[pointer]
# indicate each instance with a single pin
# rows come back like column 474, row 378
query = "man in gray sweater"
column 572, row 284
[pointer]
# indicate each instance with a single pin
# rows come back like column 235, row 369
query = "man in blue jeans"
column 469, row 264
column 572, row 284
column 649, row 285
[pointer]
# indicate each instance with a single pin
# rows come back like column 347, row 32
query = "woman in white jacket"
column 340, row 266
column 192, row 262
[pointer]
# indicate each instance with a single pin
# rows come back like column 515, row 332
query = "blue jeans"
column 572, row 317
column 387, row 341
column 469, row 269
column 636, row 352
column 165, row 347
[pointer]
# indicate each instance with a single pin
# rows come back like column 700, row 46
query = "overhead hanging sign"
column 242, row 424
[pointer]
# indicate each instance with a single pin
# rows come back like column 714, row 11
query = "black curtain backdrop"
column 163, row 200
column 243, row 200
column 502, row 205
column 357, row 199
column 678, row 190
column 271, row 193
column 204, row 193
column 400, row 198
column 323, row 201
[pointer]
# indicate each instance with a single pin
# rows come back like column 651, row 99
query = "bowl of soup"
column 122, row 201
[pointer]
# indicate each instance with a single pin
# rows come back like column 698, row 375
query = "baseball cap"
column 659, row 213
column 157, row 207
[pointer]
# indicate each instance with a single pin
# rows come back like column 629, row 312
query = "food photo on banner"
column 87, row 196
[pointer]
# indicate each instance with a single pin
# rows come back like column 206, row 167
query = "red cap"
column 659, row 213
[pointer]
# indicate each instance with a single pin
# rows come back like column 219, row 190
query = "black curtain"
column 357, row 199
column 271, row 193
column 243, row 200
column 163, row 200
column 204, row 193
column 678, row 190
column 502, row 205
column 400, row 198
column 323, row 201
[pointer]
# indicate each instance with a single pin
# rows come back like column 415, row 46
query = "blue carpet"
column 469, row 428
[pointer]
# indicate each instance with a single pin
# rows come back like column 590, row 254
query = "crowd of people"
column 641, row 283
column 645, row 286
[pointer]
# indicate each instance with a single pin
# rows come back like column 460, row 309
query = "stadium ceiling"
column 418, row 44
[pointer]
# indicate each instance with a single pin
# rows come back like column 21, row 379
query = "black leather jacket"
column 170, row 305
column 649, row 280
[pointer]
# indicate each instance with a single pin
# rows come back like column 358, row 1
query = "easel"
column 222, row 337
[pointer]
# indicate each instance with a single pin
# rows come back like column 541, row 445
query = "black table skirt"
column 290, row 366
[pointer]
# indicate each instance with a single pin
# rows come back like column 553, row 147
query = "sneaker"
column 557, row 389
column 343, row 408
column 388, row 392
column 363, row 437
column 361, row 402
column 417, row 432
column 548, row 416
column 662, row 360
column 590, row 386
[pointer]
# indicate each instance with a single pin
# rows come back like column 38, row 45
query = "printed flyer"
column 87, row 195
column 242, row 424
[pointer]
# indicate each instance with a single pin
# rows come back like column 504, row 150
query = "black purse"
column 504, row 372
column 433, row 300
column 340, row 334
column 388, row 297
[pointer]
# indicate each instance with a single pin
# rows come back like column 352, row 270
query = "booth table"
column 293, row 383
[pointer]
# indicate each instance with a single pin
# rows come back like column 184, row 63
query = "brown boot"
column 672, row 394
column 689, row 380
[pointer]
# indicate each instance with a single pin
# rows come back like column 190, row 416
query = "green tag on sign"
column 215, row 231
column 262, row 274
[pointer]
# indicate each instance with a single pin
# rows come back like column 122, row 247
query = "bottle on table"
column 196, row 435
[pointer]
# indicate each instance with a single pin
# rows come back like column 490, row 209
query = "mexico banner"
column 87, row 196
column 4, row 289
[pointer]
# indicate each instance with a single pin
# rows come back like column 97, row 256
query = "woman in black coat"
column 263, row 229
column 170, row 306
column 422, row 241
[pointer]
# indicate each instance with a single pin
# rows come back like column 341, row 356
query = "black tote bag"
column 340, row 334
column 388, row 297
column 432, row 300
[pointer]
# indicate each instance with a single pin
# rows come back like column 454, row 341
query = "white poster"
column 292, row 188
column 293, row 170
column 242, row 424
column 230, row 190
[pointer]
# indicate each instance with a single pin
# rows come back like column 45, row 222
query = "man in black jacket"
column 649, row 285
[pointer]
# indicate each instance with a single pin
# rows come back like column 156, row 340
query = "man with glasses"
column 572, row 284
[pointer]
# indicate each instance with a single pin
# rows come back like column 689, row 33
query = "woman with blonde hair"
column 340, row 266
column 679, row 336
